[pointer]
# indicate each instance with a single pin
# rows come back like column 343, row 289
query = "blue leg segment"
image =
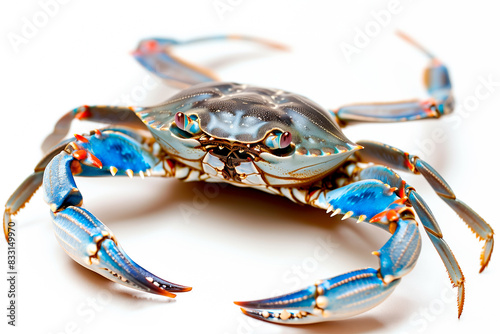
column 118, row 116
column 20, row 197
column 157, row 56
column 438, row 84
column 27, row 189
column 355, row 292
column 395, row 158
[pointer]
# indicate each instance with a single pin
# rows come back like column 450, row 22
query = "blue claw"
column 86, row 239
column 336, row 298
column 90, row 243
column 117, row 153
column 355, row 292
column 364, row 198
column 349, row 294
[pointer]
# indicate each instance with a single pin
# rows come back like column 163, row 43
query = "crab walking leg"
column 27, row 189
column 86, row 239
column 156, row 55
column 355, row 292
column 20, row 197
column 392, row 157
column 429, row 222
column 118, row 116
column 438, row 84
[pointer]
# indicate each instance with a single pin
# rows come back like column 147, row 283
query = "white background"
column 242, row 244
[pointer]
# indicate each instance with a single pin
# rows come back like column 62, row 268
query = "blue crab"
column 268, row 139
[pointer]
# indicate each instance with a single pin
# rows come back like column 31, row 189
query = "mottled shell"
column 247, row 114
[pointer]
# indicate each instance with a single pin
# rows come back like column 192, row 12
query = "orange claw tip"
column 248, row 312
column 392, row 215
column 401, row 200
column 378, row 217
column 244, row 310
column 80, row 154
column 247, row 304
column 95, row 161
column 169, row 294
column 81, row 138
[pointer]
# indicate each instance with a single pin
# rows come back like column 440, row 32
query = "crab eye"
column 278, row 140
column 187, row 123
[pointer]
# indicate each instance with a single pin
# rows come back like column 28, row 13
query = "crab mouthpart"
column 232, row 162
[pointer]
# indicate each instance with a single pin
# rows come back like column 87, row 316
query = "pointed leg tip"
column 6, row 222
column 460, row 299
column 486, row 254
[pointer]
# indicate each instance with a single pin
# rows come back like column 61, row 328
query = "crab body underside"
column 267, row 139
